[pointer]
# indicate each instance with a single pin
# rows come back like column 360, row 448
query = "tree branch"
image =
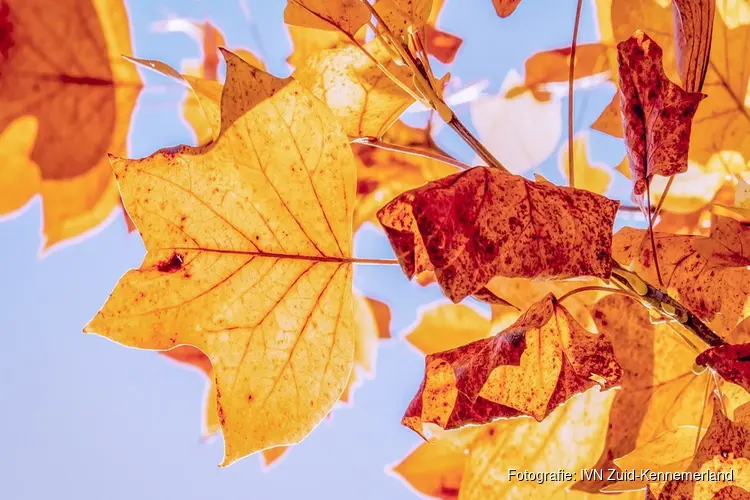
column 652, row 297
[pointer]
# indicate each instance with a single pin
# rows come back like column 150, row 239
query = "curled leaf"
column 536, row 364
column 656, row 113
column 473, row 225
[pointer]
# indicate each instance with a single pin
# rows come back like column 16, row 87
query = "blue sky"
column 85, row 418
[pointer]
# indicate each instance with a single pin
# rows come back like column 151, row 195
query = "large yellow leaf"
column 249, row 259
column 60, row 63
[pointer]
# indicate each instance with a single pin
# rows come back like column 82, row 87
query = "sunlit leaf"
column 61, row 64
column 232, row 243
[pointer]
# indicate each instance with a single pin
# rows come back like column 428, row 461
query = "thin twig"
column 571, row 75
column 420, row 73
column 651, row 235
column 424, row 153
column 475, row 144
column 599, row 289
column 379, row 262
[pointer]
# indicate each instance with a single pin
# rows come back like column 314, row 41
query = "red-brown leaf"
column 532, row 367
column 480, row 223
column 656, row 113
column 730, row 361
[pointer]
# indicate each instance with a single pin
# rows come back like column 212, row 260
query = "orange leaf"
column 345, row 15
column 440, row 44
column 231, row 243
column 536, row 364
column 471, row 226
column 694, row 269
column 719, row 469
column 71, row 92
column 658, row 390
column 401, row 15
column 694, row 21
column 504, row 8
column 553, row 66
column 722, row 121
column 657, row 114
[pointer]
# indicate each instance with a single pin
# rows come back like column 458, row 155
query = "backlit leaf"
column 504, row 8
column 61, row 64
column 536, row 364
column 345, row 15
column 356, row 90
column 713, row 290
column 657, row 114
column 251, row 264
column 722, row 121
column 473, row 225
column 594, row 178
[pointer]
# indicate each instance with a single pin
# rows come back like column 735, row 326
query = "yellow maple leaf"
column 249, row 259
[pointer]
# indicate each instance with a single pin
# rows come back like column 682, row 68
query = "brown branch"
column 652, row 297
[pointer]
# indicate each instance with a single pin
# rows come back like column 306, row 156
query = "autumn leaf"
column 473, row 225
column 60, row 64
column 553, row 67
column 723, row 449
column 594, row 178
column 435, row 468
column 445, row 326
column 441, row 44
column 204, row 121
column 504, row 8
column 533, row 366
column 526, row 445
column 659, row 390
column 371, row 324
column 722, row 121
column 657, row 114
column 702, row 280
column 730, row 361
column 356, row 90
column 401, row 15
column 693, row 21
column 345, row 15
column 307, row 42
column 231, row 242
column 520, row 130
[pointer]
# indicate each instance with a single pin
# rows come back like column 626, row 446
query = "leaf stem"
column 599, row 289
column 571, row 75
column 425, row 84
column 424, row 153
column 475, row 144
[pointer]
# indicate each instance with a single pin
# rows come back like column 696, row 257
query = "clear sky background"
column 84, row 418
